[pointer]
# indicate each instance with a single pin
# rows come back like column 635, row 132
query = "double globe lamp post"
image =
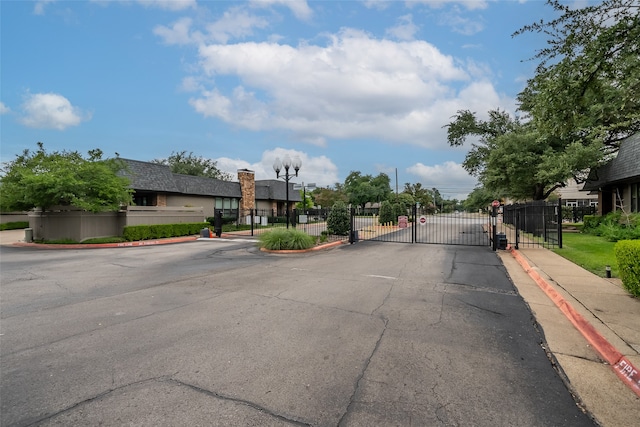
column 287, row 163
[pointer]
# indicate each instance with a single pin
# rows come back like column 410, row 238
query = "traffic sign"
column 423, row 220
column 495, row 203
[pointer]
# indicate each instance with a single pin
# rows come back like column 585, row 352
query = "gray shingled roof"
column 625, row 166
column 273, row 189
column 146, row 176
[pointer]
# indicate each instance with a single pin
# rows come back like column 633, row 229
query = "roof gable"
column 626, row 165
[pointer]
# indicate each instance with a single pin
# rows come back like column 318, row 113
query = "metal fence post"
column 560, row 223
column 494, row 223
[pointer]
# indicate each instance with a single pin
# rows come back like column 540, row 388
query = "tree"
column 362, row 189
column 420, row 195
column 386, row 214
column 306, row 201
column 327, row 197
column 63, row 178
column 480, row 198
column 339, row 219
column 515, row 159
column 189, row 164
column 587, row 86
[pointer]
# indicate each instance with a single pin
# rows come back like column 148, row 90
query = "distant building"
column 572, row 195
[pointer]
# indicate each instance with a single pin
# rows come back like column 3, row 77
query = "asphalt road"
column 217, row 333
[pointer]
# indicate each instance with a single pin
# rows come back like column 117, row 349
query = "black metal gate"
column 421, row 226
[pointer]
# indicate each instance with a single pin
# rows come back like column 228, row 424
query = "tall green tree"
column 362, row 189
column 587, row 86
column 190, row 164
column 419, row 193
column 327, row 197
column 41, row 179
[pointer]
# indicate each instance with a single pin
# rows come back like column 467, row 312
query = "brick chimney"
column 247, row 181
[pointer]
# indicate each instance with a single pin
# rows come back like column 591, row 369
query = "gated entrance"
column 422, row 226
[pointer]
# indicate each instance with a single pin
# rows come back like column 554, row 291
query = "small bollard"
column 607, row 270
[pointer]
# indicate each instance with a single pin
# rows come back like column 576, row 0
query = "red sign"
column 423, row 220
column 495, row 203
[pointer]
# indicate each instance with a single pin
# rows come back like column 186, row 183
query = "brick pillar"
column 161, row 200
column 247, row 188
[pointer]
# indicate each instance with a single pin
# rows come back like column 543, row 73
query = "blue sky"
column 345, row 85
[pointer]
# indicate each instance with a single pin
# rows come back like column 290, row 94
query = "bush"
column 398, row 210
column 158, row 231
column 627, row 254
column 15, row 225
column 386, row 213
column 286, row 239
column 614, row 226
column 339, row 219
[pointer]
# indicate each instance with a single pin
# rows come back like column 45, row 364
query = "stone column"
column 247, row 181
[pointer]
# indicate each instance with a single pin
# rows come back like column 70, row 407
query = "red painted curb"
column 623, row 368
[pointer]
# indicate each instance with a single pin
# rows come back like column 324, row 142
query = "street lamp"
column 287, row 163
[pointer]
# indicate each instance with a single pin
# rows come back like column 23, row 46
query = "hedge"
column 158, row 231
column 628, row 257
column 15, row 225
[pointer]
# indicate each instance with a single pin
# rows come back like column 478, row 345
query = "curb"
column 621, row 365
column 301, row 251
column 108, row 245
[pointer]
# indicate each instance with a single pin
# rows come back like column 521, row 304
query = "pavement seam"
column 621, row 365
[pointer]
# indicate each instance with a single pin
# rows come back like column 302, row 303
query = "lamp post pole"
column 287, row 163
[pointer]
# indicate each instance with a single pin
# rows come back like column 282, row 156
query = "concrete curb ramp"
column 621, row 365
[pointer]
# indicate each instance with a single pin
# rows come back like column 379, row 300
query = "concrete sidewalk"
column 591, row 326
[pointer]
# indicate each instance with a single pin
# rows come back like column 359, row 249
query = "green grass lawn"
column 590, row 252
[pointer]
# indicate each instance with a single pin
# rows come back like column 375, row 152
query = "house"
column 572, row 195
column 617, row 183
column 155, row 185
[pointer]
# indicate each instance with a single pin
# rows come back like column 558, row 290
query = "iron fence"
column 536, row 223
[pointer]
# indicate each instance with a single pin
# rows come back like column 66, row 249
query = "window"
column 228, row 206
column 572, row 203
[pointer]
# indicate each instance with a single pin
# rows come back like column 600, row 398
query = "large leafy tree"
column 327, row 197
column 41, row 179
column 515, row 159
column 190, row 164
column 419, row 193
column 362, row 189
column 587, row 86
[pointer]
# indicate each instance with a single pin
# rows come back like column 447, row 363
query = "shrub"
column 158, row 231
column 386, row 212
column 339, row 219
column 591, row 222
column 15, row 225
column 286, row 239
column 398, row 210
column 627, row 254
column 614, row 226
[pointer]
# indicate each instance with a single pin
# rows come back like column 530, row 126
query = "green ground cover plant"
column 593, row 253
column 286, row 239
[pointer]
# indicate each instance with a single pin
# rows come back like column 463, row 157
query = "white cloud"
column 38, row 8
column 449, row 178
column 299, row 8
column 405, row 29
column 468, row 4
column 319, row 170
column 353, row 87
column 4, row 109
column 462, row 25
column 235, row 23
column 178, row 33
column 51, row 111
column 170, row 4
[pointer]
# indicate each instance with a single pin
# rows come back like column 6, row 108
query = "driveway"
column 218, row 333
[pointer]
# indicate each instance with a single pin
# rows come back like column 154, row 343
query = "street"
column 219, row 333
